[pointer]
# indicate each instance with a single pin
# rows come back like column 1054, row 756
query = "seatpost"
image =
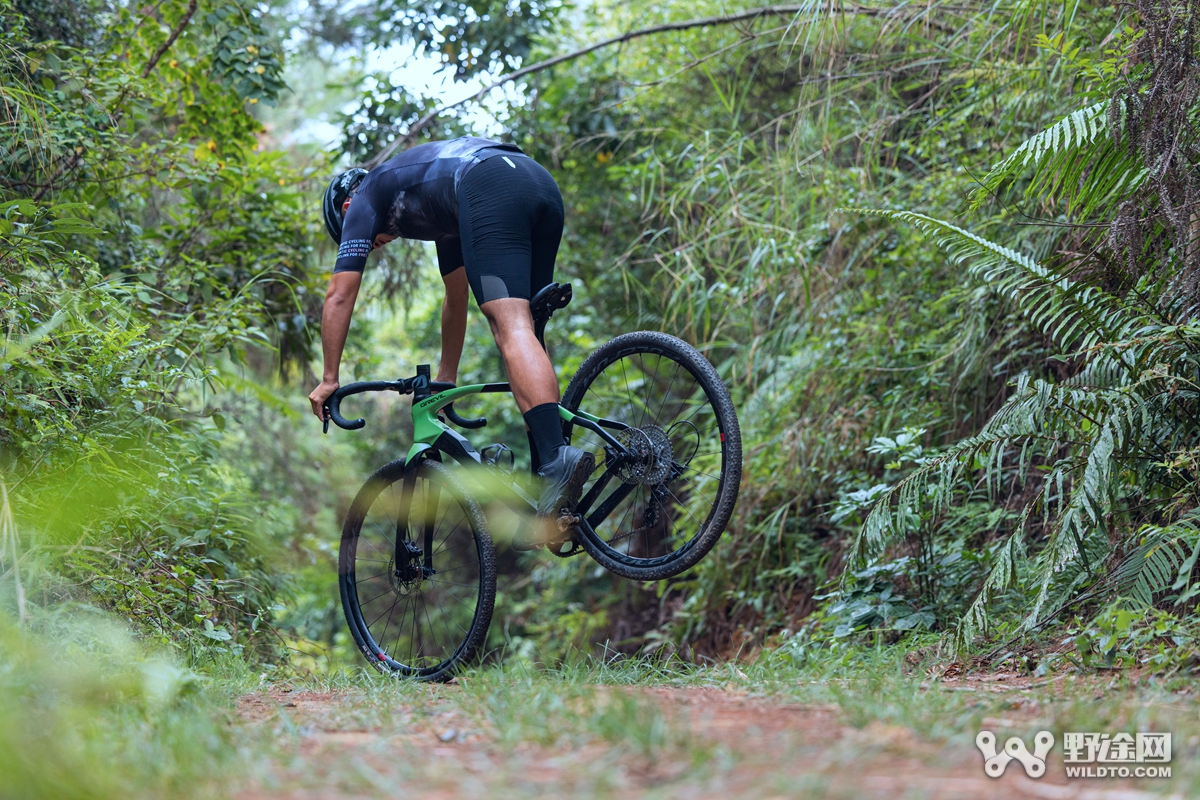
column 421, row 385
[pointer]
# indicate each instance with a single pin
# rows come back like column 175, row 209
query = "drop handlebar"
column 419, row 384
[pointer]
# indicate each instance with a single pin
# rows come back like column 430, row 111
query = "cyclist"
column 496, row 217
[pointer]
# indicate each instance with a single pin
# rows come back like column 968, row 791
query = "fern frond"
column 1072, row 315
column 1125, row 426
column 1074, row 130
column 1109, row 431
column 931, row 486
column 1071, row 159
column 1072, row 576
column 1003, row 575
column 1153, row 566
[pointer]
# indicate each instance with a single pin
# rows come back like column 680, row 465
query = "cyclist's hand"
column 320, row 395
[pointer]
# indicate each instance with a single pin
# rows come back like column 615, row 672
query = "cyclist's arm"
column 360, row 235
column 335, row 325
column 454, row 323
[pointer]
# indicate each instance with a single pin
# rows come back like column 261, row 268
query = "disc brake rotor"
column 406, row 580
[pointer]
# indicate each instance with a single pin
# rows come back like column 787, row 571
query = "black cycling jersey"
column 414, row 195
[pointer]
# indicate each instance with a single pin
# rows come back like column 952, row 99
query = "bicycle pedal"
column 568, row 520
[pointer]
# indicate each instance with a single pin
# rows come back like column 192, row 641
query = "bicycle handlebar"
column 462, row 422
column 451, row 414
column 333, row 406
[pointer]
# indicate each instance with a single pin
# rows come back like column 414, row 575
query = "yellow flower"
column 282, row 182
column 260, row 70
column 251, row 49
column 212, row 146
column 253, row 99
column 173, row 63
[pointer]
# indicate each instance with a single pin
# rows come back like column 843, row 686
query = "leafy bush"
column 88, row 712
column 140, row 262
column 1109, row 449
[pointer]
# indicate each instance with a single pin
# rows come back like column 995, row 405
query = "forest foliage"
column 944, row 256
column 142, row 263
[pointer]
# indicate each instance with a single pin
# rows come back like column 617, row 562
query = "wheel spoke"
column 449, row 583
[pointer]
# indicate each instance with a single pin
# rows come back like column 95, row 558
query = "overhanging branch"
column 178, row 29
column 721, row 19
column 76, row 158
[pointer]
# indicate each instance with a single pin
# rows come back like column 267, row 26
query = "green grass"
column 87, row 711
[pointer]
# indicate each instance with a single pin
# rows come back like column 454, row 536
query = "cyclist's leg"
column 529, row 370
column 501, row 203
column 510, row 210
column 545, row 234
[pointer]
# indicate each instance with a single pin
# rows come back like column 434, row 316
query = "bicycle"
column 426, row 548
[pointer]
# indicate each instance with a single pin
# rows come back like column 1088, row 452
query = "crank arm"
column 594, row 492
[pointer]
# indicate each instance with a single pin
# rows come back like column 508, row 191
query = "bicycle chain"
column 577, row 548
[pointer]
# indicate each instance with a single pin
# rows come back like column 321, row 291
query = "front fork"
column 414, row 559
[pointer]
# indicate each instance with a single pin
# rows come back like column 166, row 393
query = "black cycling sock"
column 535, row 463
column 545, row 430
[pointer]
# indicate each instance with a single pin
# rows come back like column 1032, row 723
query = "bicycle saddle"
column 551, row 298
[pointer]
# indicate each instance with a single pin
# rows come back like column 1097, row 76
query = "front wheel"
column 658, row 513
column 417, row 571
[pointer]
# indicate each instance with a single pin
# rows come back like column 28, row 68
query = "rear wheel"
column 417, row 571
column 658, row 513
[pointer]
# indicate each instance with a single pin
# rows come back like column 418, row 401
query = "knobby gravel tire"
column 688, row 358
column 391, row 475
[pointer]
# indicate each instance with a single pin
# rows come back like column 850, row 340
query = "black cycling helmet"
column 341, row 187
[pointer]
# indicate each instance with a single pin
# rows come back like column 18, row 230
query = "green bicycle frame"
column 431, row 434
column 429, row 431
column 428, row 428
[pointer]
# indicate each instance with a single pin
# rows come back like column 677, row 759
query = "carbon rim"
column 675, row 422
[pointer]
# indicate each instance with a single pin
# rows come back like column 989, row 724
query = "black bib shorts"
column 510, row 223
column 486, row 205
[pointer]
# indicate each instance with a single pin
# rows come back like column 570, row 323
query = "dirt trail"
column 726, row 745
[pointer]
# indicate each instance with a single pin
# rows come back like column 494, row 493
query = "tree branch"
column 63, row 168
column 158, row 54
column 721, row 19
column 77, row 157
